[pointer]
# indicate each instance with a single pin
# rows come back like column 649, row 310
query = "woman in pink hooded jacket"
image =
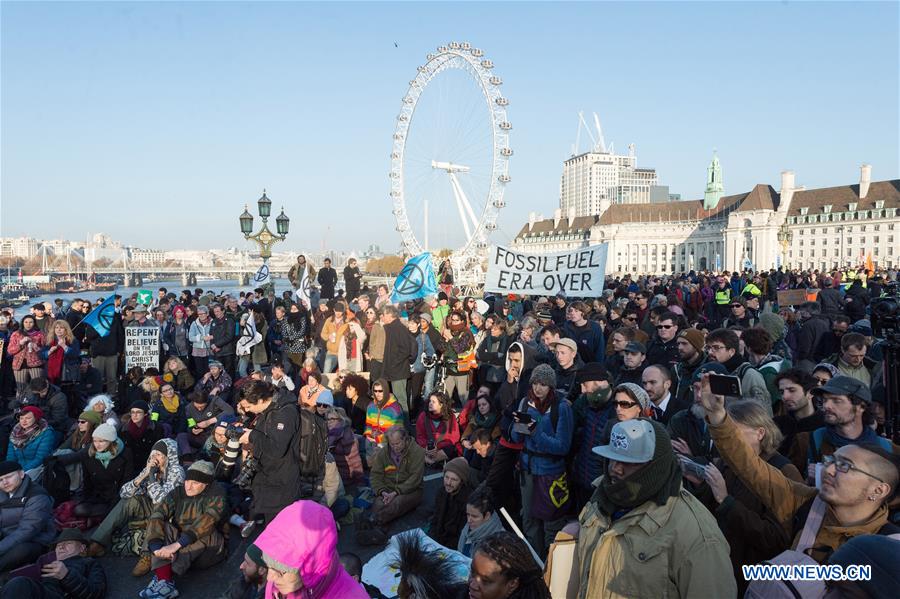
column 300, row 549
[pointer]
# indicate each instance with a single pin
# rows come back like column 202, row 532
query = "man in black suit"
column 657, row 382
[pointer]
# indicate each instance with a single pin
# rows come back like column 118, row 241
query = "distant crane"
column 599, row 143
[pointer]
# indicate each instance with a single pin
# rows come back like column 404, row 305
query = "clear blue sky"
column 156, row 122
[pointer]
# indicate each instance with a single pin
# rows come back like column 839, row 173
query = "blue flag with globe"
column 101, row 317
column 416, row 280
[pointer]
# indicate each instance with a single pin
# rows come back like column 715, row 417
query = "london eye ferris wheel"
column 450, row 156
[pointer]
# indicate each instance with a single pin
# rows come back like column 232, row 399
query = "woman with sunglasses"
column 630, row 401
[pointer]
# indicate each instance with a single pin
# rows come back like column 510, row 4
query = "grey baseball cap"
column 636, row 347
column 632, row 442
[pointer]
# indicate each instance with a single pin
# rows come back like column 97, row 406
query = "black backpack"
column 56, row 482
column 313, row 446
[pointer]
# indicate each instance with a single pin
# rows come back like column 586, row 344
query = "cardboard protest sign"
column 577, row 273
column 142, row 347
column 792, row 297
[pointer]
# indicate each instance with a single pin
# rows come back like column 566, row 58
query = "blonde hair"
column 70, row 338
column 750, row 413
column 180, row 365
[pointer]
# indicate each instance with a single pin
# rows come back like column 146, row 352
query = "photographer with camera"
column 275, row 444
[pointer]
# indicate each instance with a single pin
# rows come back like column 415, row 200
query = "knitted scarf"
column 659, row 479
column 137, row 431
column 20, row 437
column 482, row 421
column 171, row 405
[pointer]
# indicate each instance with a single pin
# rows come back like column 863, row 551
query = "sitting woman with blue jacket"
column 545, row 424
column 31, row 440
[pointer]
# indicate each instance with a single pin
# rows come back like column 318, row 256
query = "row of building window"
column 843, row 216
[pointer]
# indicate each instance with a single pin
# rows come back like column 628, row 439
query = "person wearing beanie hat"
column 183, row 530
column 26, row 518
column 882, row 554
column 31, row 439
column 631, row 402
column 252, row 581
column 690, row 343
column 139, row 432
column 544, row 422
column 157, row 480
column 450, row 504
column 544, row 375
column 644, row 481
column 105, row 468
column 80, row 436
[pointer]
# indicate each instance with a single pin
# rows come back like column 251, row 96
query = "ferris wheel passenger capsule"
column 487, row 64
column 494, row 80
column 466, row 45
column 506, row 152
column 442, row 49
column 502, row 101
column 454, row 45
column 504, row 178
column 505, row 125
column 477, row 53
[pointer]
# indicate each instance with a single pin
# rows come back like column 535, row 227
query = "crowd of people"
column 676, row 429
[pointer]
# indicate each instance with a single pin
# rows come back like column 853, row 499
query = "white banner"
column 142, row 347
column 578, row 273
column 262, row 276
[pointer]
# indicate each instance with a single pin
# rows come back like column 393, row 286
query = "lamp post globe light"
column 264, row 238
column 785, row 236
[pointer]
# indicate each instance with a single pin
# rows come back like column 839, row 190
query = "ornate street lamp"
column 785, row 236
column 264, row 238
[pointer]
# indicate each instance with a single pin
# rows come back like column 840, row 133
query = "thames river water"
column 173, row 286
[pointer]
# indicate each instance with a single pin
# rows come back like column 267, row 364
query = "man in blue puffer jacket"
column 545, row 424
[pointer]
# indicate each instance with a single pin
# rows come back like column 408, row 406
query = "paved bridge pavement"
column 213, row 582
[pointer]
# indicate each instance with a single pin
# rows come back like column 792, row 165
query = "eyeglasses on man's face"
column 844, row 466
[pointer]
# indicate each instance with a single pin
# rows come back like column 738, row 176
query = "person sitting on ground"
column 90, row 379
column 356, row 389
column 503, row 568
column 31, row 440
column 105, row 406
column 396, row 476
column 106, row 465
column 216, row 382
column 252, row 582
column 167, row 410
column 640, row 502
column 201, row 415
column 314, row 392
column 437, row 431
column 80, row 437
column 66, row 573
column 482, row 520
column 484, row 446
column 449, row 515
column 424, row 573
column 299, row 547
column 382, row 413
column 52, row 402
column 26, row 517
column 139, row 432
column 858, row 481
column 137, row 498
column 182, row 531
column 181, row 376
column 486, row 415
column 344, row 447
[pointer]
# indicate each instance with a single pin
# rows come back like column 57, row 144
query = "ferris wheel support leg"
column 462, row 212
column 464, row 201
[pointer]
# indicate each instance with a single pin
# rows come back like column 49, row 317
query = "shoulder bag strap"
column 812, row 525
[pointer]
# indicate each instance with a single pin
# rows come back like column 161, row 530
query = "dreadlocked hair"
column 425, row 574
column 515, row 561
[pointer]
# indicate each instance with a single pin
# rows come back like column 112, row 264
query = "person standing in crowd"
column 295, row 334
column 327, row 279
column 445, row 277
column 592, row 410
column 104, row 352
column 297, row 271
column 546, row 429
column 830, row 343
column 352, row 279
column 399, row 354
column 223, row 330
column 852, row 360
column 858, row 481
column 813, row 326
column 201, row 339
column 721, row 305
column 25, row 346
column 634, row 360
column 459, row 355
column 657, row 382
column 830, row 299
column 724, row 347
column 275, row 445
column 663, row 347
column 690, row 344
column 640, row 502
column 801, row 417
column 568, row 363
column 588, row 334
